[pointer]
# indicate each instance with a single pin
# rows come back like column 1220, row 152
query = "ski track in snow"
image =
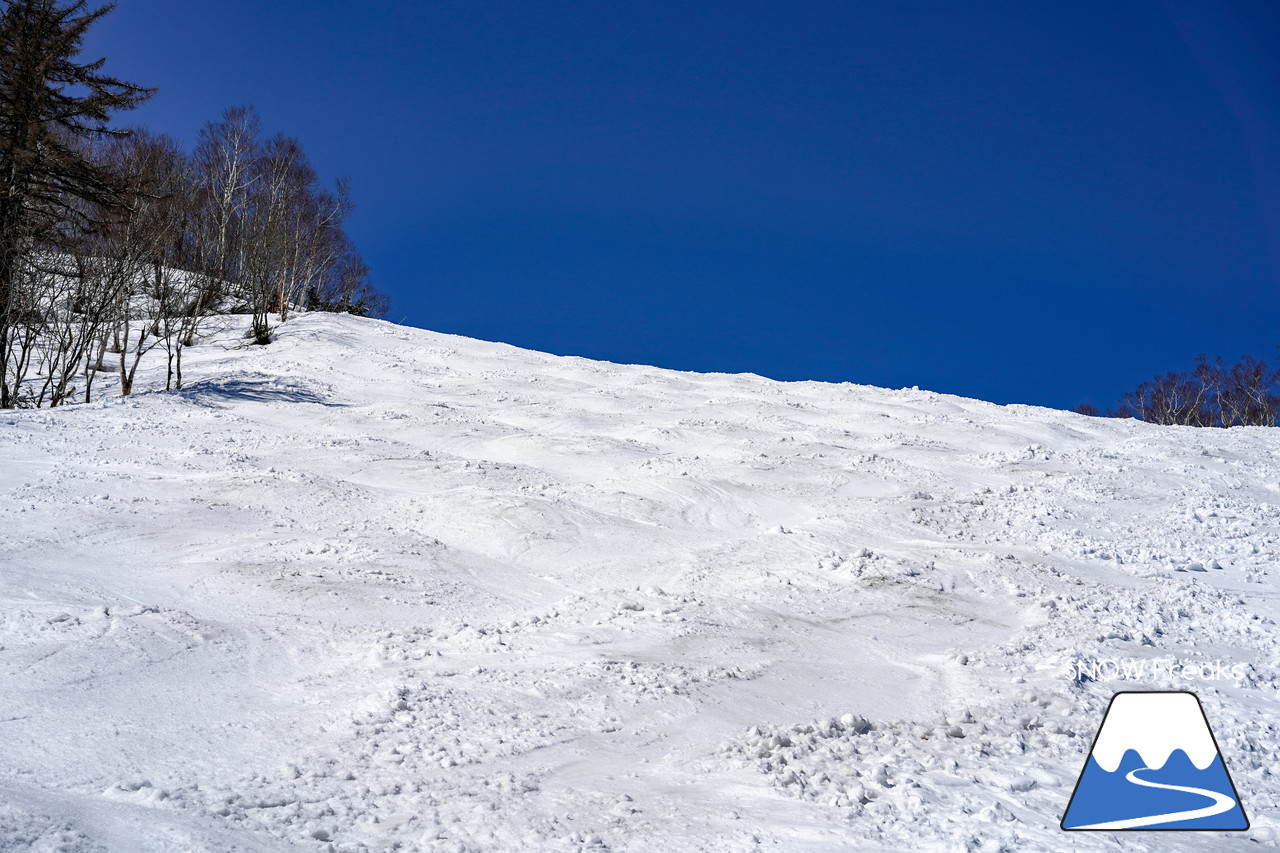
column 376, row 588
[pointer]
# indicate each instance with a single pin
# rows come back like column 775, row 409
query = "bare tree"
column 164, row 213
column 281, row 190
column 224, row 176
column 1211, row 395
column 116, row 241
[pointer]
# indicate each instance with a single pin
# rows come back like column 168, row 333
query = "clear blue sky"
column 1017, row 201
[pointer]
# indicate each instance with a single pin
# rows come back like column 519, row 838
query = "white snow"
column 1154, row 725
column 374, row 588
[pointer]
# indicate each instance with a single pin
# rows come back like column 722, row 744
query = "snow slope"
column 374, row 588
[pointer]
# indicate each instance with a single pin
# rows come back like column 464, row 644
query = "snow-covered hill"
column 374, row 588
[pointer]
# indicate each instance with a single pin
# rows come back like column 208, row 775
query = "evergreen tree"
column 52, row 108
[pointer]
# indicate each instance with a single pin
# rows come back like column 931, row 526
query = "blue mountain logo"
column 1155, row 765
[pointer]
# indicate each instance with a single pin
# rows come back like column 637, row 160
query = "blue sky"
column 1022, row 202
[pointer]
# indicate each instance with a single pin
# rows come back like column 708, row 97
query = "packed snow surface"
column 372, row 588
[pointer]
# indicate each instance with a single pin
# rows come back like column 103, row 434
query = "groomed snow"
column 372, row 588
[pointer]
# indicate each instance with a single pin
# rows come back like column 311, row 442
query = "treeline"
column 116, row 243
column 1212, row 394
